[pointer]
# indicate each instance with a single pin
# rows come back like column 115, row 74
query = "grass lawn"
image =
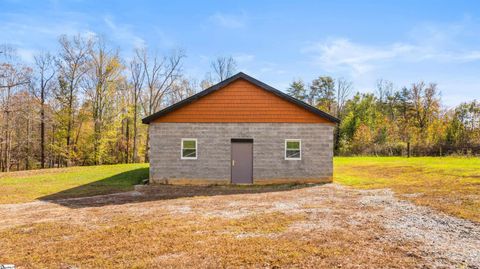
column 26, row 186
column 449, row 184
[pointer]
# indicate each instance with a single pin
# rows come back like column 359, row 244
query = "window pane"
column 293, row 144
column 189, row 144
column 293, row 153
column 192, row 153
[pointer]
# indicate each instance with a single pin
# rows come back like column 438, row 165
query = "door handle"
column 233, row 162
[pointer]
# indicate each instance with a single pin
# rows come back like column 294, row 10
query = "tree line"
column 83, row 104
column 394, row 122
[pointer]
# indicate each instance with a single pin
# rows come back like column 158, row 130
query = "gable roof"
column 231, row 79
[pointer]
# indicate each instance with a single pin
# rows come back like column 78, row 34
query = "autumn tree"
column 102, row 81
column 72, row 65
column 322, row 93
column 425, row 105
column 463, row 128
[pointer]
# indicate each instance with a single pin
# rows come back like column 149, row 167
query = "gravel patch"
column 444, row 240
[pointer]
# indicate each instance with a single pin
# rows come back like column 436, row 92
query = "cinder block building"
column 240, row 131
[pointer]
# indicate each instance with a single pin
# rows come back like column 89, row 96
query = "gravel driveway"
column 442, row 240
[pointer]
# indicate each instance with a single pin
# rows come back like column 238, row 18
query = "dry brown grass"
column 274, row 229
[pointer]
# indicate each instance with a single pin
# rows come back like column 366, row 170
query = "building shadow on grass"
column 113, row 191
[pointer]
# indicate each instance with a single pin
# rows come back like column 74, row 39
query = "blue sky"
column 277, row 41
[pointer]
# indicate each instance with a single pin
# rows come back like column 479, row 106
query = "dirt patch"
column 327, row 226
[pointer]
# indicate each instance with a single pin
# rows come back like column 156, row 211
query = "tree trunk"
column 70, row 123
column 96, row 137
column 27, row 157
column 42, row 131
column 135, row 153
column 8, row 144
column 408, row 149
column 127, row 132
column 52, row 155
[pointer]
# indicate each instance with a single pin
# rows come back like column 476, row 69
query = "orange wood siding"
column 241, row 101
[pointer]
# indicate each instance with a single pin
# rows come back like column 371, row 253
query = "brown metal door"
column 242, row 161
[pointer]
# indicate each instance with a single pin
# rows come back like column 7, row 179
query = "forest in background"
column 83, row 104
column 391, row 121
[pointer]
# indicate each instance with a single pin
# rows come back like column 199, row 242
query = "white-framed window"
column 189, row 149
column 293, row 149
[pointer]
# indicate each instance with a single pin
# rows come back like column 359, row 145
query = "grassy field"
column 26, row 186
column 448, row 184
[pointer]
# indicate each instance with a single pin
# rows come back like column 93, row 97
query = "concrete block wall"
column 214, row 151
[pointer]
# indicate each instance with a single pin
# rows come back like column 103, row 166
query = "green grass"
column 449, row 184
column 26, row 186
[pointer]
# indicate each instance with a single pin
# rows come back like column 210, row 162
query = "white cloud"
column 123, row 32
column 342, row 54
column 445, row 53
column 427, row 42
column 29, row 34
column 230, row 21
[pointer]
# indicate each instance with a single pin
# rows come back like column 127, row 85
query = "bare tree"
column 383, row 90
column 11, row 77
column 207, row 82
column 7, row 52
column 137, row 78
column 181, row 89
column 45, row 72
column 160, row 74
column 343, row 91
column 387, row 97
column 72, row 66
column 223, row 68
